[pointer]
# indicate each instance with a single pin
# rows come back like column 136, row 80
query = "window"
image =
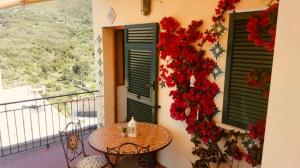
column 243, row 104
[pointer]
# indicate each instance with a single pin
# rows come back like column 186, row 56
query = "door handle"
column 153, row 85
column 156, row 107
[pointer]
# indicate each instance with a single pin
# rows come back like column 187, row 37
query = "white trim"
column 248, row 10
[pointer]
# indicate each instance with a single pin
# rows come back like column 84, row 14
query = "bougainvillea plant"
column 186, row 70
column 260, row 25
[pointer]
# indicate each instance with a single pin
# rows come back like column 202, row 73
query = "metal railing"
column 29, row 124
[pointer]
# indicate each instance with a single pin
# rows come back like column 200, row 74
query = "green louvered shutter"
column 242, row 104
column 141, row 71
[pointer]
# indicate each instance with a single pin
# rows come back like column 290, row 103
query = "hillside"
column 48, row 44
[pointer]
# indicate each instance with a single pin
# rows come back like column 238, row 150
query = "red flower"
column 223, row 5
column 257, row 130
column 260, row 78
column 169, row 24
column 252, row 24
column 258, row 42
column 249, row 160
column 178, row 110
column 265, row 21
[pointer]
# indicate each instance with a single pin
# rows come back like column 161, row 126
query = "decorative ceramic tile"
column 219, row 29
column 217, row 50
column 111, row 15
column 3, row 21
column 99, row 50
column 162, row 84
column 100, row 73
column 99, row 39
column 249, row 143
column 100, row 62
column 217, row 71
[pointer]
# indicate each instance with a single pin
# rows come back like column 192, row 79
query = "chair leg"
column 110, row 163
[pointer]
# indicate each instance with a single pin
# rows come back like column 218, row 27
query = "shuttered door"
column 141, row 71
column 242, row 104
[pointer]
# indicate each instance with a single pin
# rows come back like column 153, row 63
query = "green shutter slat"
column 246, row 108
column 240, row 73
column 241, row 80
column 139, row 76
column 246, row 43
column 141, row 35
column 246, row 90
column 252, row 61
column 254, row 57
column 248, row 104
column 241, row 93
column 248, row 100
column 244, row 86
column 240, row 30
column 244, row 35
column 254, row 52
column 137, row 63
column 251, row 65
column 246, row 115
column 246, row 69
column 139, row 70
column 243, row 104
column 140, row 111
column 241, row 120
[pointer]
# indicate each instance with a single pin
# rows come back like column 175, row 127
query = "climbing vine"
column 186, row 70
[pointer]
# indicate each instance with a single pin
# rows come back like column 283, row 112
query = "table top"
column 156, row 136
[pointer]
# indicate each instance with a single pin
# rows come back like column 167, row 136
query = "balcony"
column 29, row 135
column 30, row 124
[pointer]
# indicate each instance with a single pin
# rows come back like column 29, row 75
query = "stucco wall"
column 282, row 147
column 178, row 154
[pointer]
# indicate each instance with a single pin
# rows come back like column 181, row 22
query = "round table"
column 152, row 135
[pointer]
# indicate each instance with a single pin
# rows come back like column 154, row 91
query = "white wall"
column 282, row 145
column 178, row 153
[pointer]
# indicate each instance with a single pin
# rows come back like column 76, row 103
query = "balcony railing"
column 30, row 124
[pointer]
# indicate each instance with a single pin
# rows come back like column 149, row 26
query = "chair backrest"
column 72, row 142
column 126, row 149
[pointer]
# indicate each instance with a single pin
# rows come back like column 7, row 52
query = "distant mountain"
column 48, row 44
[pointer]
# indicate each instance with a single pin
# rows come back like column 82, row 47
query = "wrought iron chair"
column 72, row 142
column 125, row 157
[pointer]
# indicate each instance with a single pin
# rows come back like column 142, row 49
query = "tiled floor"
column 41, row 158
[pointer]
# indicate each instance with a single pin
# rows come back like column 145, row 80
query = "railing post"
column 2, row 153
column 24, row 129
column 8, row 132
column 45, row 111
